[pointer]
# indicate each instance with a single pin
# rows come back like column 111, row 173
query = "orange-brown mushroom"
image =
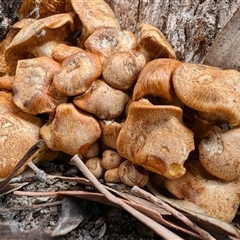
column 33, row 86
column 93, row 16
column 218, row 198
column 155, row 80
column 71, row 131
column 102, row 100
column 155, row 138
column 106, row 41
column 210, row 90
column 154, row 44
column 77, row 73
column 219, row 153
column 121, row 69
column 38, row 39
column 18, row 132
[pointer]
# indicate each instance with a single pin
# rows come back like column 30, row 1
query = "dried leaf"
column 224, row 52
column 71, row 217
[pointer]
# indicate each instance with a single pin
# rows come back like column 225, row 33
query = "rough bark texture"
column 189, row 25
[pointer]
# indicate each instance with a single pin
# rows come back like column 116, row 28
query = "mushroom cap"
column 102, row 100
column 106, row 41
column 71, row 131
column 155, row 43
column 33, row 89
column 6, row 82
column 219, row 153
column 110, row 159
column 44, row 33
column 94, row 16
column 218, row 198
column 42, row 9
column 62, row 51
column 209, row 89
column 155, row 79
column 77, row 73
column 94, row 166
column 7, row 41
column 122, row 68
column 155, row 138
column 18, row 132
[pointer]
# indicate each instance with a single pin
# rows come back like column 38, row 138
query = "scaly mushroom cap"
column 209, row 89
column 154, row 43
column 62, row 51
column 155, row 79
column 121, row 69
column 218, row 198
column 38, row 39
column 106, row 41
column 77, row 73
column 72, row 131
column 41, row 9
column 33, row 89
column 102, row 100
column 219, row 153
column 18, row 132
column 94, row 15
column 155, row 138
column 7, row 41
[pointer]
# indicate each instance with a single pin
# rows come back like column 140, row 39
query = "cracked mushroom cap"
column 155, row 80
column 102, row 100
column 121, row 69
column 210, row 90
column 38, row 39
column 219, row 153
column 93, row 16
column 71, row 131
column 155, row 138
column 218, row 198
column 77, row 73
column 18, row 132
column 154, row 44
column 106, row 41
column 33, row 88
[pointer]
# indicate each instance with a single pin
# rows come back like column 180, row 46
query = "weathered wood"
column 189, row 25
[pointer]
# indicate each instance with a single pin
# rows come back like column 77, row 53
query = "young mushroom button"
column 72, row 131
column 208, row 89
column 155, row 138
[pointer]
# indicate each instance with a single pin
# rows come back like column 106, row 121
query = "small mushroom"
column 77, row 73
column 131, row 176
column 62, row 51
column 121, row 69
column 155, row 138
column 71, row 131
column 219, row 153
column 18, row 132
column 93, row 16
column 102, row 100
column 208, row 89
column 33, row 89
column 112, row 176
column 106, row 41
column 92, row 151
column 38, row 39
column 154, row 44
column 110, row 159
column 155, row 80
column 218, row 198
column 93, row 164
column 110, row 130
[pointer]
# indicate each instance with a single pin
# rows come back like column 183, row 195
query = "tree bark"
column 189, row 25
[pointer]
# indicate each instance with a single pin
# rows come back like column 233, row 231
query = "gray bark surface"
column 189, row 25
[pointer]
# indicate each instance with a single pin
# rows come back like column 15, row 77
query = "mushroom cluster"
column 74, row 78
